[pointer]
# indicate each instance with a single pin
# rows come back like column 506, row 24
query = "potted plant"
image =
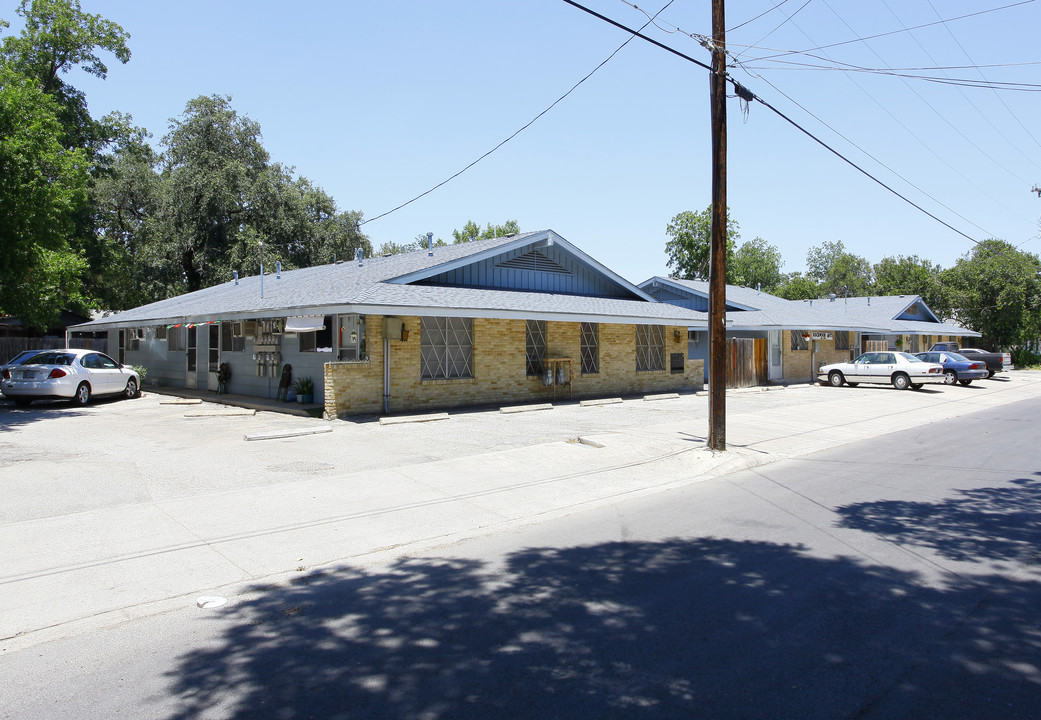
column 304, row 390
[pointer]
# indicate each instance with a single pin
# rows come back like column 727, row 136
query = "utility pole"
column 717, row 277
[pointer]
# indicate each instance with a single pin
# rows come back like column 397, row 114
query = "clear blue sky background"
column 378, row 101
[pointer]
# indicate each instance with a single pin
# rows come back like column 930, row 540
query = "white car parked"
column 901, row 369
column 72, row 374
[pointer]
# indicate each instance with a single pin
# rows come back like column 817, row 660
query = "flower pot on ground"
column 304, row 390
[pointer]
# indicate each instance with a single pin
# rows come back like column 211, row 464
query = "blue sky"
column 378, row 101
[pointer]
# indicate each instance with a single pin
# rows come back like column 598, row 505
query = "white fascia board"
column 506, row 314
column 546, row 238
column 657, row 279
column 399, row 310
column 554, row 239
column 450, row 265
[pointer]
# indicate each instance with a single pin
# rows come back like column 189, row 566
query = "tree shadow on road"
column 682, row 628
column 996, row 523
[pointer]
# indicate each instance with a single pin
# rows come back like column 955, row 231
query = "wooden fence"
column 747, row 362
column 11, row 346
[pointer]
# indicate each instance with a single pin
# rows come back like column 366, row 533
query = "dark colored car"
column 956, row 367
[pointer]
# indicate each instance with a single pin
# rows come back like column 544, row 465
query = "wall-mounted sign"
column 822, row 335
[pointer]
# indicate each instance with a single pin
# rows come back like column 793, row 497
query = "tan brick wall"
column 796, row 364
column 499, row 369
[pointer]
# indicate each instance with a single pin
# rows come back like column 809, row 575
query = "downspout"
column 386, row 369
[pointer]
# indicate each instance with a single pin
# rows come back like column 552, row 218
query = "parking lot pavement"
column 126, row 508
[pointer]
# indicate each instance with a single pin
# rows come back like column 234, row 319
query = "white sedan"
column 73, row 374
column 901, row 369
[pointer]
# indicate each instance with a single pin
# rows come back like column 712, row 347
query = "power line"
column 748, row 96
column 519, row 131
column 896, row 32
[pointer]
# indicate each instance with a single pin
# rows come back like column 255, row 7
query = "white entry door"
column 776, row 370
column 191, row 378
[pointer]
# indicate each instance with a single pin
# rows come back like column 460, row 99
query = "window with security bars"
column 650, row 347
column 446, row 348
column 798, row 341
column 842, row 340
column 535, row 346
column 589, row 347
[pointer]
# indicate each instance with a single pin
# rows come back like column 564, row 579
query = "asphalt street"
column 631, row 574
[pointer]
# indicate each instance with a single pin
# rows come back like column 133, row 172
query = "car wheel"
column 131, row 391
column 901, row 381
column 965, row 383
column 990, row 373
column 835, row 378
column 950, row 377
column 82, row 396
column 916, row 386
column 23, row 402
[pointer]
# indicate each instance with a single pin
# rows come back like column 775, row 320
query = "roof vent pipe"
column 758, row 288
column 831, row 297
column 236, row 274
column 430, row 244
column 278, row 270
column 357, row 255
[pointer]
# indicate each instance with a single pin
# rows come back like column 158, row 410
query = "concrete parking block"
column 405, row 419
column 525, row 408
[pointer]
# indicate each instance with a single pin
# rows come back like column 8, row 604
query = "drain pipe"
column 386, row 370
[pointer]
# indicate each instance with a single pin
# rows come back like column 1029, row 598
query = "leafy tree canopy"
column 838, row 271
column 797, row 286
column 912, row 275
column 472, row 231
column 996, row 290
column 756, row 264
column 690, row 243
column 42, row 188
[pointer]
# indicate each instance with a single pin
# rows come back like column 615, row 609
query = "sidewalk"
column 79, row 571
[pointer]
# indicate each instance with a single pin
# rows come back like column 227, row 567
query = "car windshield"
column 51, row 358
column 21, row 357
column 909, row 357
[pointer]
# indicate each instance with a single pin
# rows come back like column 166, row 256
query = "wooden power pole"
column 717, row 277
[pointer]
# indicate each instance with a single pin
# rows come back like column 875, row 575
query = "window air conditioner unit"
column 236, row 329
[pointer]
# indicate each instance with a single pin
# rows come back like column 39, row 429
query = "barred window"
column 650, row 347
column 798, row 343
column 445, row 348
column 535, row 345
column 589, row 347
column 842, row 340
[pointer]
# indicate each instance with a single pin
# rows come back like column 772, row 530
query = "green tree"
column 996, row 291
column 838, row 271
column 690, row 242
column 472, row 231
column 756, row 264
column 42, row 188
column 797, row 286
column 912, row 275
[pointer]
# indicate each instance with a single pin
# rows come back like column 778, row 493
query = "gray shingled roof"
column 874, row 315
column 374, row 286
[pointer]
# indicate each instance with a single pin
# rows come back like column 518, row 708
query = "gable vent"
column 536, row 261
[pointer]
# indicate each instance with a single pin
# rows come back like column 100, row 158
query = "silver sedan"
column 901, row 369
column 72, row 374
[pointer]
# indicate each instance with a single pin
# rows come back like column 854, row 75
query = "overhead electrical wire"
column 896, row 32
column 521, row 129
column 752, row 20
column 748, row 96
column 940, row 115
column 980, row 71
